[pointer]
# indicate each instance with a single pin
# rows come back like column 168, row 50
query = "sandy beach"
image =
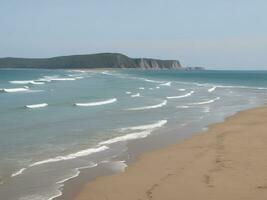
column 226, row 162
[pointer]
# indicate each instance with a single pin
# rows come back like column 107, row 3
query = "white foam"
column 19, row 172
column 151, row 88
column 181, row 96
column 22, row 82
column 82, row 153
column 78, row 70
column 145, row 127
column 97, row 103
column 55, row 78
column 157, row 87
column 27, row 82
column 74, row 175
column 152, row 81
column 212, row 89
column 141, row 88
column 127, row 137
column 63, row 79
column 41, row 105
column 128, row 92
column 166, row 84
column 44, row 79
column 181, row 89
column 221, row 86
column 76, row 172
column 37, row 83
column 118, row 166
column 88, row 166
column 182, row 106
column 13, row 90
column 205, row 102
column 241, row 87
column 78, row 77
column 135, row 95
column 150, row 107
column 145, row 130
column 107, row 73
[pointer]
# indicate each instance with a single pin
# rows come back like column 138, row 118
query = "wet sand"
column 229, row 161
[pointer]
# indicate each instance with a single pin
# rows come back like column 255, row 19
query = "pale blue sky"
column 211, row 33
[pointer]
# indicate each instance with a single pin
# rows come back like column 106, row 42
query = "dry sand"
column 228, row 162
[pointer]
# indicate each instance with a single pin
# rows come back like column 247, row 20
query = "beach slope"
column 229, row 161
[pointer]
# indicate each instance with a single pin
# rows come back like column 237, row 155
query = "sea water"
column 55, row 122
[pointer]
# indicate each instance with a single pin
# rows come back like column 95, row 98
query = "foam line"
column 181, row 96
column 150, row 107
column 41, row 105
column 13, row 90
column 182, row 106
column 97, row 103
column 205, row 102
column 82, row 153
column 135, row 95
column 181, row 89
column 145, row 127
column 19, row 172
column 27, row 82
column 212, row 89
column 166, row 84
column 152, row 81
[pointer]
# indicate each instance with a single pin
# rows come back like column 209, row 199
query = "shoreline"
column 205, row 164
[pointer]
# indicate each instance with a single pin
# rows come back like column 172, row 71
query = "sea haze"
column 55, row 122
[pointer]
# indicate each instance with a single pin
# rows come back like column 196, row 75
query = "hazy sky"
column 211, row 33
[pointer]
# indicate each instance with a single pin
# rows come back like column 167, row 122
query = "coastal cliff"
column 101, row 60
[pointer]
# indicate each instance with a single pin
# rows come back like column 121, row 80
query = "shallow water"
column 55, row 122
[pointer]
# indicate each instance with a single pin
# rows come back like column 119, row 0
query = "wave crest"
column 96, row 103
column 145, row 130
column 150, row 107
column 181, row 96
column 41, row 105
column 205, row 102
column 82, row 153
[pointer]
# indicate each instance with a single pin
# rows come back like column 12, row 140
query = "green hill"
column 101, row 60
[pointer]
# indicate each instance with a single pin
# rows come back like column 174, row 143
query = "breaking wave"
column 55, row 78
column 96, row 103
column 205, row 102
column 145, row 127
column 13, row 90
column 181, row 89
column 27, row 82
column 41, row 105
column 82, row 153
column 150, row 107
column 145, row 130
column 181, row 96
column 19, row 172
column 182, row 106
column 166, row 84
column 135, row 95
column 152, row 81
column 212, row 89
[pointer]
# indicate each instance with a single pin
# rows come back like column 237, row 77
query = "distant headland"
column 91, row 61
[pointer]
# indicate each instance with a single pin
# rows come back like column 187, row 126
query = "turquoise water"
column 54, row 122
